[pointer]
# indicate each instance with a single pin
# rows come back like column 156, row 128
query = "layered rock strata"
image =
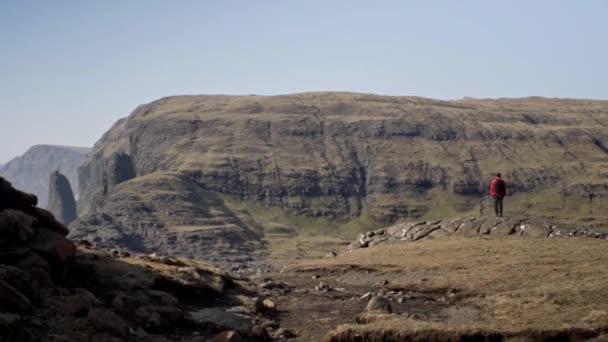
column 471, row 226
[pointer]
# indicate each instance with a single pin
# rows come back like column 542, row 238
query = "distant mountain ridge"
column 32, row 170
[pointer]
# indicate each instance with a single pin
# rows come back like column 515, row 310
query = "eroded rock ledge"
column 469, row 226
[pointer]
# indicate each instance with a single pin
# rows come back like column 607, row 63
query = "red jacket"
column 496, row 191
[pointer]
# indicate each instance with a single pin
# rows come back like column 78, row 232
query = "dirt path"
column 311, row 303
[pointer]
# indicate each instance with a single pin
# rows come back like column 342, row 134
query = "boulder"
column 107, row 321
column 53, row 246
column 21, row 281
column 452, row 225
column 490, row 223
column 77, row 305
column 15, row 227
column 470, row 228
column 221, row 319
column 37, row 267
column 12, row 300
column 379, row 304
column 264, row 304
column 46, row 220
column 504, row 228
column 13, row 198
column 534, row 228
column 423, row 232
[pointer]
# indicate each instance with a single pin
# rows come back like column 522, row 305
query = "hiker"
column 498, row 190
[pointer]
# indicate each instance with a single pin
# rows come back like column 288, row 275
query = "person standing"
column 498, row 190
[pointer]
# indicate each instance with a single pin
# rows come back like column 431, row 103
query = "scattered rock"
column 264, row 304
column 221, row 319
column 331, row 254
column 366, row 296
column 285, row 333
column 381, row 283
column 379, row 304
column 323, row 287
column 227, row 336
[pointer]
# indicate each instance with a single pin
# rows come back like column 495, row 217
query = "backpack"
column 500, row 186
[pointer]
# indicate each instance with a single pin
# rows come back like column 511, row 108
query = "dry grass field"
column 510, row 287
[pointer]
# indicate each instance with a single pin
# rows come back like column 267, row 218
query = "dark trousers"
column 498, row 206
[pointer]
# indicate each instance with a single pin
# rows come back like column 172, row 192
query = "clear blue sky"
column 69, row 69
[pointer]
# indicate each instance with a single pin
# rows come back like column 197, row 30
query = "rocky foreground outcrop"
column 471, row 226
column 53, row 290
column 61, row 198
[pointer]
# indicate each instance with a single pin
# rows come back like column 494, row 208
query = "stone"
column 37, row 267
column 92, row 298
column 61, row 199
column 13, row 198
column 46, row 220
column 377, row 240
column 470, row 228
column 77, row 305
column 423, row 232
column 12, row 300
column 504, row 228
column 381, row 283
column 379, row 304
column 15, row 227
column 8, row 321
column 331, row 254
column 535, row 228
column 366, row 296
column 285, row 333
column 108, row 321
column 227, row 336
column 489, row 224
column 162, row 297
column 264, row 304
column 53, row 246
column 157, row 318
column 260, row 333
column 221, row 319
column 22, row 281
column 452, row 225
column 438, row 233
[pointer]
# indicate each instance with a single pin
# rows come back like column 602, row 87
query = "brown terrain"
column 534, row 281
column 320, row 217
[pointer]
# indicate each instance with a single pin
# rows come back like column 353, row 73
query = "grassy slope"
column 311, row 237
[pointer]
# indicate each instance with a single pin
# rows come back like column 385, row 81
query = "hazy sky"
column 69, row 69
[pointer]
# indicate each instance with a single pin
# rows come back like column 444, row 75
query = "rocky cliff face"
column 334, row 154
column 32, row 170
column 169, row 214
column 157, row 180
column 61, row 198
